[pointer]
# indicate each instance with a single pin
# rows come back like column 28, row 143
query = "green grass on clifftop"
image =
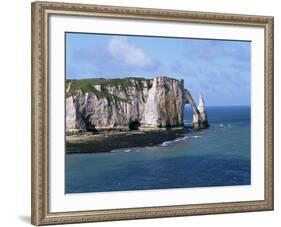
column 87, row 85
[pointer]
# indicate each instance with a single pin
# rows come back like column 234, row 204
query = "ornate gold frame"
column 40, row 191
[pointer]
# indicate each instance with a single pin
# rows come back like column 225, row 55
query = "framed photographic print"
column 145, row 113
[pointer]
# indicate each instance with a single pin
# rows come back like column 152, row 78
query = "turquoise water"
column 217, row 156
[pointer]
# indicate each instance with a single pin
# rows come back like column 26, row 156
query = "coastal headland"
column 116, row 113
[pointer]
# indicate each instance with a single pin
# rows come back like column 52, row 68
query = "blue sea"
column 217, row 156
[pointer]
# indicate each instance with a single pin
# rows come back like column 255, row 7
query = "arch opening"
column 188, row 116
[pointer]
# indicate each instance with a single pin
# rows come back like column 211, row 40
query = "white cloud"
column 128, row 54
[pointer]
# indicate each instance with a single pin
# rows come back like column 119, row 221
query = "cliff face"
column 97, row 104
column 164, row 104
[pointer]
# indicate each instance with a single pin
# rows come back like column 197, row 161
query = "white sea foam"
column 124, row 150
column 219, row 125
column 164, row 144
column 181, row 139
column 121, row 150
column 127, row 150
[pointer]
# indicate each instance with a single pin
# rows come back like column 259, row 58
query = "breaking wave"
column 121, row 150
column 151, row 148
column 185, row 138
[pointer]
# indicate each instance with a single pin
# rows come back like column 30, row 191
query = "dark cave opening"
column 134, row 125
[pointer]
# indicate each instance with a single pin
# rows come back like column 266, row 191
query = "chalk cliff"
column 129, row 103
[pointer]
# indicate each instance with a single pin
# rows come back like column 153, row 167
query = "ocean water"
column 217, row 156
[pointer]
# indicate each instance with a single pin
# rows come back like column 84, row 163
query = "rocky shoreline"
column 107, row 141
column 108, row 114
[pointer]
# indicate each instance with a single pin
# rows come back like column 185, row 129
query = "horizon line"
column 235, row 105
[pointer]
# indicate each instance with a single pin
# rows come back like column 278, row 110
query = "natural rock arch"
column 199, row 113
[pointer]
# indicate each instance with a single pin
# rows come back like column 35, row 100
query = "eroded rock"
column 129, row 103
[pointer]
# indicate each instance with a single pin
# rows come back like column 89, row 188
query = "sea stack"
column 200, row 120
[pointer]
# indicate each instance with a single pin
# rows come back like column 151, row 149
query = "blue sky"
column 218, row 69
